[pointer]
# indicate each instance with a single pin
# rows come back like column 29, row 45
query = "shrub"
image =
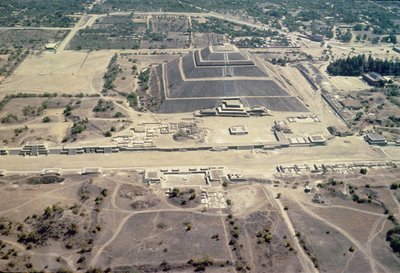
column 188, row 226
column 103, row 106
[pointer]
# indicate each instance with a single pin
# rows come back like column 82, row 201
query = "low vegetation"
column 393, row 237
column 79, row 126
column 111, row 74
column 144, row 77
column 132, row 99
column 183, row 198
column 103, row 106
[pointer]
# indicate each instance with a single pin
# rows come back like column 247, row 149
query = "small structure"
column 374, row 79
column 236, row 177
column 92, row 170
column 281, row 126
column 51, row 46
column 139, row 129
column 233, row 107
column 396, row 49
column 317, row 38
column 341, row 131
column 3, row 151
column 52, row 171
column 238, row 130
column 375, row 139
column 207, row 112
column 34, row 150
column 216, row 175
column 317, row 140
column 152, row 177
column 351, row 104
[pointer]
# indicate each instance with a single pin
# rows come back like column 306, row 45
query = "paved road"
column 204, row 14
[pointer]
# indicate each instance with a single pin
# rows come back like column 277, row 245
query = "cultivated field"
column 31, row 39
column 130, row 32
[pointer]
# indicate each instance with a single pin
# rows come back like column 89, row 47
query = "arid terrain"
column 199, row 136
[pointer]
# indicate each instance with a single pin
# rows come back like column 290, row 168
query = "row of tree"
column 357, row 65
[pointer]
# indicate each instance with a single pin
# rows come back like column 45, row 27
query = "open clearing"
column 339, row 235
column 66, row 72
column 109, row 208
column 131, row 83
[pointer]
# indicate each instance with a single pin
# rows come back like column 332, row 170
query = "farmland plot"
column 29, row 38
column 113, row 32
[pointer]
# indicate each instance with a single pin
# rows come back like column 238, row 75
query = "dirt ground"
column 23, row 120
column 117, row 205
column 66, row 72
column 349, row 83
column 340, row 234
column 114, row 220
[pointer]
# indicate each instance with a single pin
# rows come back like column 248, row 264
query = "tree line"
column 357, row 65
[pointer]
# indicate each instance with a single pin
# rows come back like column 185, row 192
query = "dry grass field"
column 341, row 234
column 42, row 119
column 99, row 213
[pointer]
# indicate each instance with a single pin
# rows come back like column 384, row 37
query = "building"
column 92, row 170
column 140, row 129
column 217, row 175
column 233, row 107
column 396, row 49
column 351, row 104
column 238, row 130
column 317, row 38
column 375, row 139
column 51, row 46
column 3, row 151
column 34, row 150
column 317, row 140
column 374, row 79
column 51, row 171
column 236, row 177
column 152, row 177
column 341, row 131
column 281, row 126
